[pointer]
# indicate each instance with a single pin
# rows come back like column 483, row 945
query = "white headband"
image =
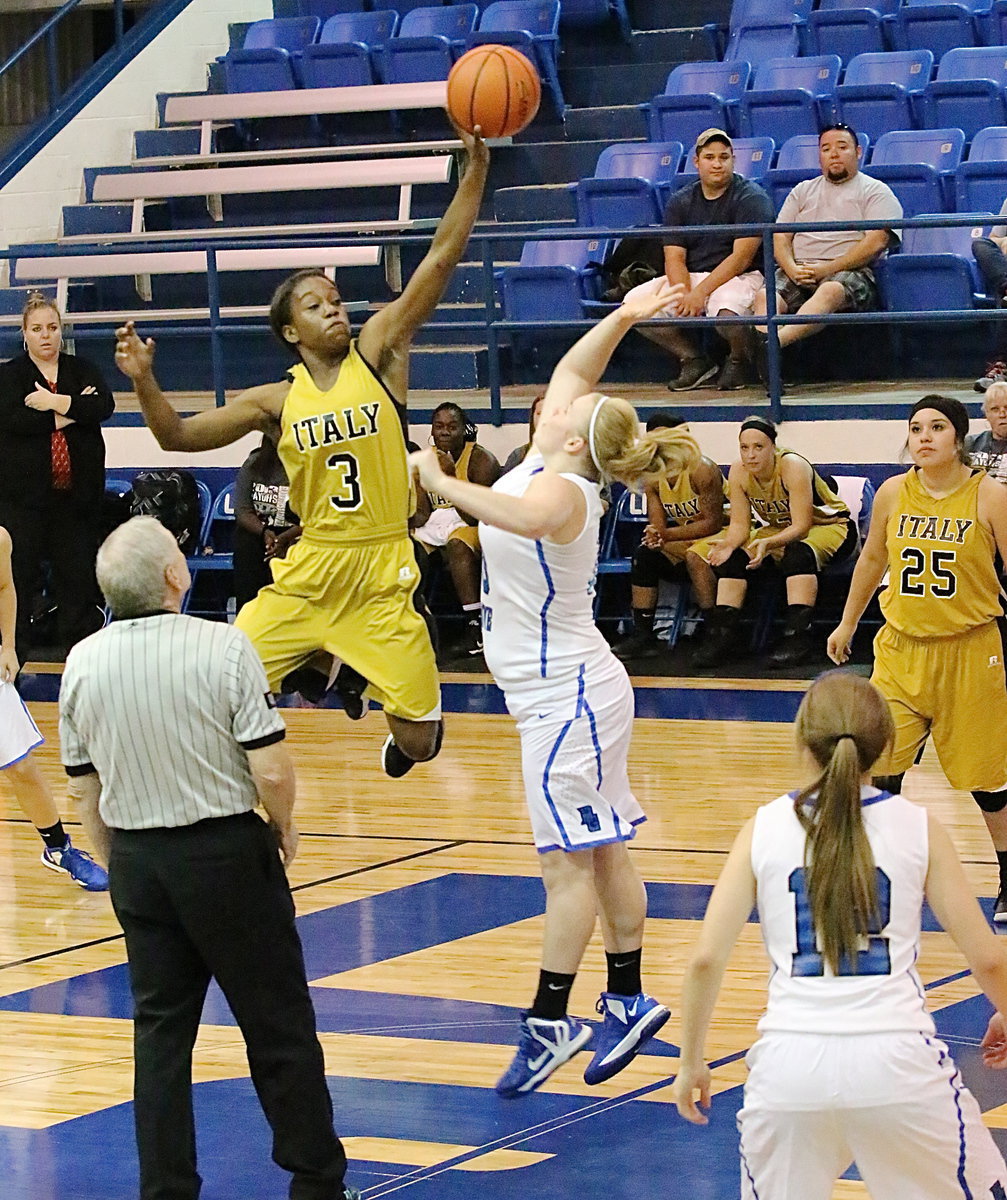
column 590, row 433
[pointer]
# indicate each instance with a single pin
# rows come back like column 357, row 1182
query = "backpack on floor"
column 173, row 498
column 634, row 260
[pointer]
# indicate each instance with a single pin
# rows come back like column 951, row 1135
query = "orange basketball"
column 496, row 88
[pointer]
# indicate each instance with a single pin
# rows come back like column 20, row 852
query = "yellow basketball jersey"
column 771, row 501
column 681, row 503
column 940, row 556
column 345, row 456
column 461, row 472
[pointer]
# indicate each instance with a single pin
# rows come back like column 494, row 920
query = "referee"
column 171, row 739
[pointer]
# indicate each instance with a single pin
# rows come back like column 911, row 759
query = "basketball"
column 496, row 88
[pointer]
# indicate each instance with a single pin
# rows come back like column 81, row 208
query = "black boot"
column 797, row 644
column 721, row 643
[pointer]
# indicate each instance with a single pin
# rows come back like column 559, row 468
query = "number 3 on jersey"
column 347, row 495
column 875, row 960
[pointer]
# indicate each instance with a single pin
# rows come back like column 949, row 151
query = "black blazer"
column 25, row 435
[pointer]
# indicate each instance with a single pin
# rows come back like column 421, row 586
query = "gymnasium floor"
column 420, row 911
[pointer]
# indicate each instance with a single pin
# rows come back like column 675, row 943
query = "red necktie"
column 62, row 476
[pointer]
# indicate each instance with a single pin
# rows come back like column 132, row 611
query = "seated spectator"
column 989, row 448
column 52, row 487
column 441, row 527
column 520, row 453
column 681, row 511
column 989, row 254
column 265, row 528
column 720, row 274
column 829, row 272
column 802, row 525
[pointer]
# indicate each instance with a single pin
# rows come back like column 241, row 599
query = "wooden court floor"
column 420, row 910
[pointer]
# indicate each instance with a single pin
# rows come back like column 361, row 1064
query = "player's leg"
column 548, row 1036
column 900, row 674
column 801, row 563
column 648, row 568
column 796, row 1155
column 19, row 735
column 462, row 555
column 631, row 1017
column 723, row 641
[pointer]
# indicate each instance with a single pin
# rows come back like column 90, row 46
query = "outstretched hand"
column 642, row 308
column 133, row 357
column 475, row 147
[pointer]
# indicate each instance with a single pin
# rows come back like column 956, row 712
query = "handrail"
column 47, row 30
column 492, row 324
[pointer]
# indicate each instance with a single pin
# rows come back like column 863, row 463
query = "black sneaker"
column 311, row 684
column 695, row 371
column 722, row 642
column 393, row 762
column 349, row 686
column 350, row 1193
column 1000, row 908
column 793, row 650
column 638, row 645
column 472, row 639
column 733, row 376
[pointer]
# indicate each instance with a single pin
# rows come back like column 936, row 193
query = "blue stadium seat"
column 323, row 9
column 919, row 166
column 756, row 43
column 938, row 25
column 530, row 26
column 552, row 280
column 348, row 49
column 428, row 43
column 215, row 553
column 941, row 239
column 697, row 96
column 881, row 92
column 920, row 282
column 265, row 62
column 593, row 13
column 790, row 96
column 753, row 158
column 850, row 27
column 969, row 91
column 981, row 183
column 798, row 160
column 623, row 190
column 784, row 16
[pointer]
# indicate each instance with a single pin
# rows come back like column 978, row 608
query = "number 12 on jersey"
column 874, row 960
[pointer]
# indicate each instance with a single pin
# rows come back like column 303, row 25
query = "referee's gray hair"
column 131, row 564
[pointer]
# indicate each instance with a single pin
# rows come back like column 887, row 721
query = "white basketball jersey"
column 884, row 993
column 537, row 597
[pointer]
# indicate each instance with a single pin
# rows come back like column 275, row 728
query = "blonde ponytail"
column 619, row 452
column 845, row 723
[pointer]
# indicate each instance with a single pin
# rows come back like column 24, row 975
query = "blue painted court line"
column 669, row 704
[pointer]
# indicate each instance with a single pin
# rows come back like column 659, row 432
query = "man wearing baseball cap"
column 719, row 272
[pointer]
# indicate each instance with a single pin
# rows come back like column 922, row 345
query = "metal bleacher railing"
column 492, row 323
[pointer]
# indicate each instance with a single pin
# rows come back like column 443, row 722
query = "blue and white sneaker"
column 79, row 865
column 629, row 1022
column 543, row 1046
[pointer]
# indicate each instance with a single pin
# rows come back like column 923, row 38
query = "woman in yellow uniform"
column 347, row 587
column 939, row 658
column 802, row 526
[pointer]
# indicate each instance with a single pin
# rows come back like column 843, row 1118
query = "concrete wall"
column 102, row 134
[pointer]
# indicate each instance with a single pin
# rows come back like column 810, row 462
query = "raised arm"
column 257, row 408
column 385, row 338
column 867, row 574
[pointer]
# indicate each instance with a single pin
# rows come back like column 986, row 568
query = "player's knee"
column 991, row 802
column 798, row 559
column 645, row 571
column 421, row 741
column 736, row 567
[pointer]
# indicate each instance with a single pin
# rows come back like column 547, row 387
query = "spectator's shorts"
column 860, row 290
column 736, row 296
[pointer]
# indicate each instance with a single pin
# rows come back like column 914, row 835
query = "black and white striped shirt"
column 164, row 708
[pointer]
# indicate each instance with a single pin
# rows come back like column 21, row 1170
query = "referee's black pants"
column 212, row 900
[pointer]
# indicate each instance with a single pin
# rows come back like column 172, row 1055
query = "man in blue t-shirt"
column 719, row 272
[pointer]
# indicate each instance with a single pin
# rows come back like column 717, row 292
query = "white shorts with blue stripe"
column 19, row 734
column 573, row 757
column 893, row 1103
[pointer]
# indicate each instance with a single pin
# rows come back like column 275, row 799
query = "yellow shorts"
column 675, row 552
column 468, row 534
column 954, row 689
column 824, row 540
column 356, row 602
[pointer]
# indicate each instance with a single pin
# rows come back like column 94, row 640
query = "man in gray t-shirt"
column 829, row 271
column 989, row 448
